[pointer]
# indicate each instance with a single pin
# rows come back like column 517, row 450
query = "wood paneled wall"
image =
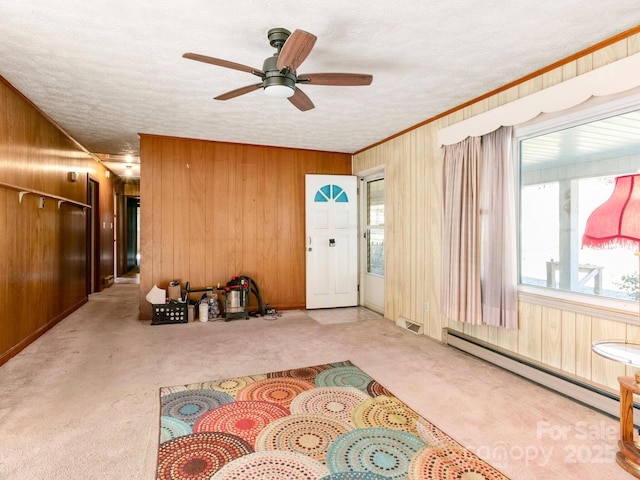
column 212, row 210
column 43, row 259
column 413, row 170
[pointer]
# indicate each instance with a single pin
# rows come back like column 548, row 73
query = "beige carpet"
column 82, row 401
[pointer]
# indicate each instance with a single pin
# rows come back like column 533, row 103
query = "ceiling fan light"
column 279, row 91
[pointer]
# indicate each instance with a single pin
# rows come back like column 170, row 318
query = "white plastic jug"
column 203, row 312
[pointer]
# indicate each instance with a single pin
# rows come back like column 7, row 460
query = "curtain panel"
column 498, row 270
column 479, row 276
column 460, row 232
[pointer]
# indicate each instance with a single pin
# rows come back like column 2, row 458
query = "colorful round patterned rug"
column 374, row 389
column 432, row 434
column 280, row 391
column 231, row 385
column 385, row 412
column 337, row 402
column 377, row 450
column 198, row 455
column 188, row 405
column 310, row 435
column 347, row 376
column 306, row 373
column 172, row 428
column 451, row 461
column 272, row 466
column 355, row 476
column 327, row 422
column 242, row 419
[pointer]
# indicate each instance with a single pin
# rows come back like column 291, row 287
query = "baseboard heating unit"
column 589, row 395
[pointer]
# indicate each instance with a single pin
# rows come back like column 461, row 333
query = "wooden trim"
column 548, row 68
column 24, row 343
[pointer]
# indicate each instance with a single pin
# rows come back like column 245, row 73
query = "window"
column 567, row 169
column 375, row 226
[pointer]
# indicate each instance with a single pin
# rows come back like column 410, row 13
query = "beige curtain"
column 479, row 282
column 460, row 232
column 498, row 271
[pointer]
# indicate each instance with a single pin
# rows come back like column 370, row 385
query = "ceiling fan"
column 279, row 72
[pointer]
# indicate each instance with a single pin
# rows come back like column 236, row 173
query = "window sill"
column 624, row 311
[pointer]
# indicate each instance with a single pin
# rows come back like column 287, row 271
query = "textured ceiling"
column 106, row 71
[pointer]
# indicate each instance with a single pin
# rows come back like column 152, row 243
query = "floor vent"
column 582, row 392
column 409, row 325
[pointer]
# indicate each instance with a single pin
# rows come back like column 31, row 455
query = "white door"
column 372, row 242
column 331, row 240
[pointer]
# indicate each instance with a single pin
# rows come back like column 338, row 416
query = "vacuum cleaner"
column 236, row 303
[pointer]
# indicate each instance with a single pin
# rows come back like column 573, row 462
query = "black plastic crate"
column 169, row 313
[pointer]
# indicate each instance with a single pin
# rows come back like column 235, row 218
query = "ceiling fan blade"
column 224, row 63
column 335, row 79
column 238, row 91
column 295, row 50
column 301, row 101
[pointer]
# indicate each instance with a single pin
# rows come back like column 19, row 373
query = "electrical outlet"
column 426, row 306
